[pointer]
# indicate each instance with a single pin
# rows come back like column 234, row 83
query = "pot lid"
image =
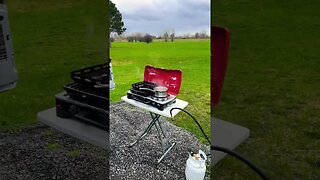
column 169, row 78
column 161, row 88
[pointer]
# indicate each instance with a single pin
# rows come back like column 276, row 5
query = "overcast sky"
column 156, row 16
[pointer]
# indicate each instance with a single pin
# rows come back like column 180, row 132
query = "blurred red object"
column 220, row 40
column 165, row 77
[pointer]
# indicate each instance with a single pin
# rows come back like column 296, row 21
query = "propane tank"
column 196, row 166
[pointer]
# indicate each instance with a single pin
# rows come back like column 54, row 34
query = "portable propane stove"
column 87, row 98
column 143, row 92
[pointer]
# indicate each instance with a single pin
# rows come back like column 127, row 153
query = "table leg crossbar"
column 167, row 145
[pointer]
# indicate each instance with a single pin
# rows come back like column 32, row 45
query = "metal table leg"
column 154, row 119
column 167, row 145
column 165, row 153
column 162, row 134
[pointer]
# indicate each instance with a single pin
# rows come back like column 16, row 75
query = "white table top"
column 75, row 128
column 225, row 134
column 166, row 112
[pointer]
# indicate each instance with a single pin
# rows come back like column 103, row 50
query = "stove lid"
column 165, row 77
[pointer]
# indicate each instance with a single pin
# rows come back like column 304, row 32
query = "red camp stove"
column 148, row 92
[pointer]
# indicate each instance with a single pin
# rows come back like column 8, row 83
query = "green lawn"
column 192, row 57
column 272, row 86
column 50, row 39
column 272, row 83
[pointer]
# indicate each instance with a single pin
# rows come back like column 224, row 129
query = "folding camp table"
column 156, row 114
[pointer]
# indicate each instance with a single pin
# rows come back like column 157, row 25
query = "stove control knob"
column 73, row 109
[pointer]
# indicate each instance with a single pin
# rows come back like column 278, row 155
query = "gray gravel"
column 140, row 161
column 40, row 152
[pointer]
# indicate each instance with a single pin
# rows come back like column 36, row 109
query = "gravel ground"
column 40, row 152
column 139, row 162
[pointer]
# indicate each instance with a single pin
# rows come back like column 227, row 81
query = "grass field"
column 272, row 86
column 50, row 38
column 192, row 57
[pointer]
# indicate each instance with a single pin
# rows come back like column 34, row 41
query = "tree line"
column 117, row 29
column 166, row 37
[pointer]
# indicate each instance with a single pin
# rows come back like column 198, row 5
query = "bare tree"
column 186, row 36
column 130, row 38
column 148, row 38
column 203, row 34
column 140, row 37
column 168, row 33
column 197, row 35
column 137, row 37
column 172, row 37
column 166, row 36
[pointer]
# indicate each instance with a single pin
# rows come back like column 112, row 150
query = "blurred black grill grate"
column 3, row 52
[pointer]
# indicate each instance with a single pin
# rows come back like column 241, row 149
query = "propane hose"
column 223, row 149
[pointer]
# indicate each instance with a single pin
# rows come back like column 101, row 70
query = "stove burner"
column 143, row 88
column 144, row 84
column 95, row 77
column 95, row 97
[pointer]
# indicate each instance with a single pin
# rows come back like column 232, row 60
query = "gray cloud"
column 158, row 15
column 138, row 16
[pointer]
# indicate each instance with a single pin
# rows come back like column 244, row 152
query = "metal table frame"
column 167, row 144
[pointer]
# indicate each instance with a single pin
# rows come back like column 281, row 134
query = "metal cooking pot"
column 159, row 91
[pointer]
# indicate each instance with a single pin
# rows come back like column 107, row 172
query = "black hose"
column 246, row 161
column 225, row 150
column 194, row 121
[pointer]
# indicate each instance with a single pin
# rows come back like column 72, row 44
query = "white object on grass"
column 112, row 84
column 196, row 168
